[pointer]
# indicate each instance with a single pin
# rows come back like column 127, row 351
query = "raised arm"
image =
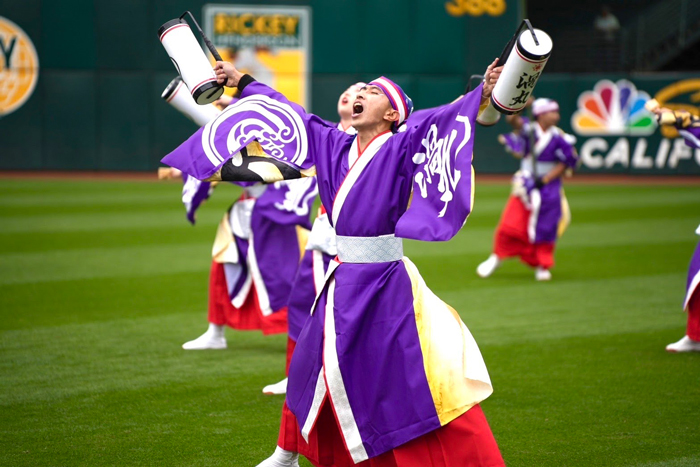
column 291, row 139
column 438, row 157
column 687, row 124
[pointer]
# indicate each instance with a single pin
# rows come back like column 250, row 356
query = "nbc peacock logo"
column 613, row 109
column 19, row 67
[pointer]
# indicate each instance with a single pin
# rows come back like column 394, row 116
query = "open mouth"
column 357, row 108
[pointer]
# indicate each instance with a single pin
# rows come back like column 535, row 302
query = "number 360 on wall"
column 475, row 7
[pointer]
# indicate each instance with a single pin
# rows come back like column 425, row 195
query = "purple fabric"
column 558, row 149
column 441, row 147
column 691, row 136
column 549, row 213
column 274, row 226
column 274, row 222
column 277, row 251
column 194, row 193
column 527, row 181
column 693, row 270
column 307, row 361
column 288, row 202
column 419, row 116
column 303, row 293
column 261, row 114
column 377, row 343
column 236, row 273
column 432, row 159
column 513, row 143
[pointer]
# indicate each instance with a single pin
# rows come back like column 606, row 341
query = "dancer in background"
column 530, row 223
column 256, row 253
column 691, row 341
column 688, row 127
column 249, row 281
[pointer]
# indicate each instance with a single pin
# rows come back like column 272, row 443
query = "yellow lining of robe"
column 224, row 249
column 303, row 239
column 565, row 219
column 455, row 371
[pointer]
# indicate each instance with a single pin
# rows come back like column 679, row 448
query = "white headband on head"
column 543, row 105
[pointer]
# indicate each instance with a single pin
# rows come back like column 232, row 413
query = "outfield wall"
column 97, row 102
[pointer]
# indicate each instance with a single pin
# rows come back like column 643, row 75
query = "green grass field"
column 101, row 283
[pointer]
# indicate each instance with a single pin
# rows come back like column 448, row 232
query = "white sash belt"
column 543, row 168
column 382, row 249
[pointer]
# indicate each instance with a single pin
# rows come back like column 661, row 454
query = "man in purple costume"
column 530, row 224
column 382, row 362
column 691, row 341
column 688, row 127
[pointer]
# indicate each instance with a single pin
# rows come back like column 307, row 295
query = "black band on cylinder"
column 171, row 87
column 168, row 25
column 212, row 88
column 530, row 55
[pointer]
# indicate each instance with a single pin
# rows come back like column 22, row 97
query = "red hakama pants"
column 466, row 441
column 511, row 237
column 249, row 316
column 693, row 330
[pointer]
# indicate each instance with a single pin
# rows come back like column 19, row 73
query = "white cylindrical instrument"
column 190, row 61
column 522, row 69
column 177, row 95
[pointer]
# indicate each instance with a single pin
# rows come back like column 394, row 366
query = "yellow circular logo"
column 19, row 66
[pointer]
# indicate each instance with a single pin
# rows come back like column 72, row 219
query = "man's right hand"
column 227, row 74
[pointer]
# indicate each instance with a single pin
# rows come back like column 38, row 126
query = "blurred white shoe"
column 487, row 268
column 277, row 388
column 542, row 274
column 212, row 339
column 281, row 458
column 684, row 345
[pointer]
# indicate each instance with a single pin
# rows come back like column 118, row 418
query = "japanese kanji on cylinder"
column 522, row 69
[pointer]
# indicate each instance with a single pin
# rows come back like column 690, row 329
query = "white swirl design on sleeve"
column 275, row 125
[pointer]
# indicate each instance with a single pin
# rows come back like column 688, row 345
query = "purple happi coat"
column 693, row 275
column 258, row 241
column 550, row 148
column 394, row 360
